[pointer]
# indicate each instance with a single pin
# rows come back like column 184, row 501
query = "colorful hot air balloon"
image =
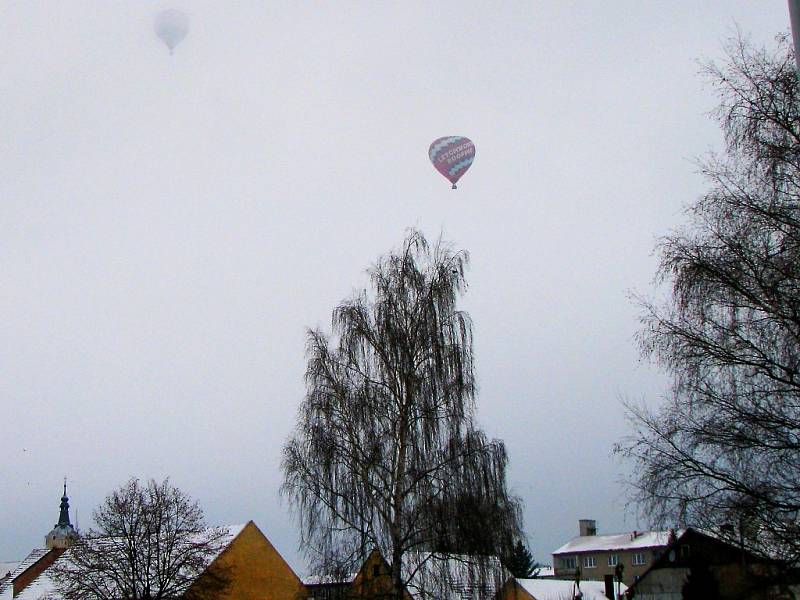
column 452, row 156
column 171, row 26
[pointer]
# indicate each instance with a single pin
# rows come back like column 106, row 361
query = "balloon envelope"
column 452, row 156
column 171, row 26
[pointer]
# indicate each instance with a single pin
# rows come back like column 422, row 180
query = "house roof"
column 556, row 589
column 43, row 586
column 8, row 567
column 451, row 576
column 345, row 579
column 689, row 536
column 40, row 587
column 22, row 566
column 448, row 577
column 619, row 541
column 336, row 579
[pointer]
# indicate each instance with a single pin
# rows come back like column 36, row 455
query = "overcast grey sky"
column 170, row 225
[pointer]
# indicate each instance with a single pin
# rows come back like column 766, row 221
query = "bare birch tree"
column 151, row 543
column 723, row 452
column 386, row 454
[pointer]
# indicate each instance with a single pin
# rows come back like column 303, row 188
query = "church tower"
column 63, row 534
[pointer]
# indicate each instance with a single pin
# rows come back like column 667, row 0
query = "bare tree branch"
column 725, row 446
column 151, row 543
column 386, row 447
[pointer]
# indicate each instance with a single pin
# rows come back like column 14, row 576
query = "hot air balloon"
column 171, row 26
column 452, row 156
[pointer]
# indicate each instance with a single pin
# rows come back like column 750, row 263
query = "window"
column 589, row 562
column 638, row 559
column 613, row 560
column 686, row 552
column 569, row 562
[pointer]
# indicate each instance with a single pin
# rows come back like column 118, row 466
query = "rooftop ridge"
column 618, row 541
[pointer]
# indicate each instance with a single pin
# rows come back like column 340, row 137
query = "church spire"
column 63, row 518
column 63, row 533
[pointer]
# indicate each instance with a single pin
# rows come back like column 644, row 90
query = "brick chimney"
column 587, row 527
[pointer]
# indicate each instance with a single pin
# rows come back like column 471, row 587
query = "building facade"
column 597, row 557
column 714, row 568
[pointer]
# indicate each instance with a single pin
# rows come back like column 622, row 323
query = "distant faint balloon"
column 452, row 156
column 171, row 26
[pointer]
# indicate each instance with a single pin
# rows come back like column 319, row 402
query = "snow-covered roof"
column 558, row 589
column 8, row 567
column 23, row 565
column 32, row 557
column 545, row 571
column 231, row 531
column 446, row 577
column 452, row 577
column 348, row 578
column 619, row 541
column 43, row 587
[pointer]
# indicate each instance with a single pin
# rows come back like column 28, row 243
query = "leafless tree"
column 724, row 449
column 386, row 454
column 151, row 543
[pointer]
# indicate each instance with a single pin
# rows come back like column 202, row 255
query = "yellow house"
column 255, row 569
column 512, row 590
column 373, row 581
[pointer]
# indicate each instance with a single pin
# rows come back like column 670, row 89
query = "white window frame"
column 589, row 562
column 638, row 559
column 613, row 560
